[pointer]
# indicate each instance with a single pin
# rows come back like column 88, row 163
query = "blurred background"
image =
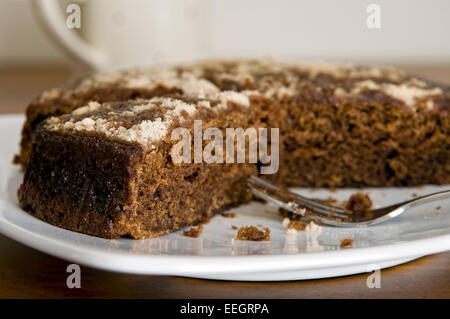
column 42, row 46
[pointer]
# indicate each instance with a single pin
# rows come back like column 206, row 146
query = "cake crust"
column 317, row 82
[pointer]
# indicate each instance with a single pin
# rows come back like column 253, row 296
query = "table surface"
column 27, row 273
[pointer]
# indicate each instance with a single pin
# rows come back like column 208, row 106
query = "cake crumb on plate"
column 292, row 226
column 194, row 232
column 346, row 243
column 253, row 233
column 228, row 215
column 296, row 224
column 359, row 202
column 313, row 227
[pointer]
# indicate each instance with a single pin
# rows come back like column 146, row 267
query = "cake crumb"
column 346, row 243
column 253, row 233
column 292, row 216
column 296, row 224
column 359, row 202
column 194, row 232
column 285, row 213
column 332, row 201
column 228, row 215
column 234, row 227
column 313, row 227
column 297, row 209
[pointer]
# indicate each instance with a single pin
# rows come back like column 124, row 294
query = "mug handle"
column 54, row 22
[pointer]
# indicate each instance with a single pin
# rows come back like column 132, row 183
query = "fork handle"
column 423, row 199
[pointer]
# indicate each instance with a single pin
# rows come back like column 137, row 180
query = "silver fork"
column 330, row 215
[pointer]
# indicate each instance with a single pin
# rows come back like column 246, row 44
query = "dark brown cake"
column 105, row 169
column 118, row 86
column 340, row 125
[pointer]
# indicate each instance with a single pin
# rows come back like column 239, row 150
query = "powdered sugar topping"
column 108, row 120
column 408, row 92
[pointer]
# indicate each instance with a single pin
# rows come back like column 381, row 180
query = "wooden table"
column 27, row 273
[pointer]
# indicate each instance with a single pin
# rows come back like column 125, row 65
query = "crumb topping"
column 270, row 77
column 92, row 106
column 409, row 92
column 51, row 94
column 217, row 84
column 142, row 121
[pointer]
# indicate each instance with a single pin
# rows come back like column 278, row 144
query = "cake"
column 97, row 155
column 107, row 169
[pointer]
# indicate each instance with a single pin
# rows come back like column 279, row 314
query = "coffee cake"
column 97, row 155
column 106, row 169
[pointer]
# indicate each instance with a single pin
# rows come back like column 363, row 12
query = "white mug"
column 116, row 34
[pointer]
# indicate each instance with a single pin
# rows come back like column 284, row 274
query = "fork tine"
column 334, row 216
column 272, row 199
column 284, row 199
column 316, row 217
column 296, row 197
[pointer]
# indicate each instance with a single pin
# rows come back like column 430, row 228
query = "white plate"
column 215, row 255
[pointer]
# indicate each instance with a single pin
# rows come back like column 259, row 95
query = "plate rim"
column 186, row 265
